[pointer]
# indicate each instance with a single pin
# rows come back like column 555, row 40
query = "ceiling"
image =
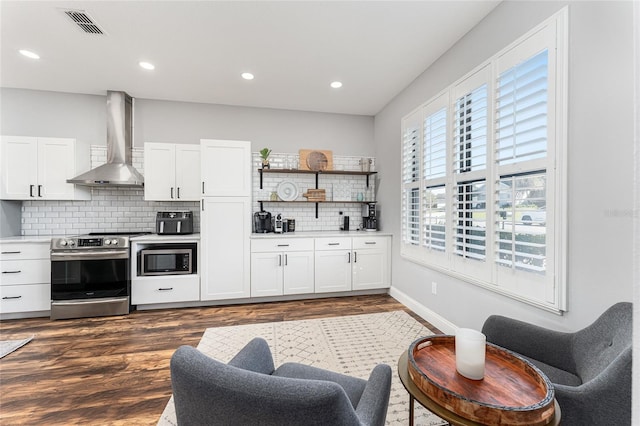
column 295, row 49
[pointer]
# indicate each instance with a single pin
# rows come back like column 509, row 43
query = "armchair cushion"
column 249, row 391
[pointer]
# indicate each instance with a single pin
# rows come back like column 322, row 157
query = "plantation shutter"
column 411, row 180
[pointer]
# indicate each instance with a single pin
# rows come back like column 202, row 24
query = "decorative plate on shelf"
column 287, row 190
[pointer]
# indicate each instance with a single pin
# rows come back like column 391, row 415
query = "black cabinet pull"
column 39, row 190
column 11, row 297
column 286, row 261
column 369, row 242
column 333, row 244
column 283, row 245
column 31, row 190
column 165, row 289
column 11, row 272
column 172, row 192
column 279, row 260
column 203, row 187
column 178, row 191
column 349, row 257
column 355, row 257
column 11, row 252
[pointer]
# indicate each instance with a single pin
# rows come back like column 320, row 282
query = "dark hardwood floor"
column 115, row 370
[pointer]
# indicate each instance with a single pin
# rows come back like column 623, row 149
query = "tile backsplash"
column 113, row 209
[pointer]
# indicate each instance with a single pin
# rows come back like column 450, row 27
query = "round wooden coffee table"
column 415, row 393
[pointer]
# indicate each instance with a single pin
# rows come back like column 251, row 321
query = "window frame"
column 546, row 291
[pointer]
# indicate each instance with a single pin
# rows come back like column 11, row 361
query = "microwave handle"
column 179, row 227
column 161, row 227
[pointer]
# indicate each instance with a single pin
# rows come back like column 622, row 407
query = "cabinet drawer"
column 165, row 290
column 338, row 243
column 25, row 272
column 360, row 243
column 25, row 298
column 15, row 251
column 281, row 244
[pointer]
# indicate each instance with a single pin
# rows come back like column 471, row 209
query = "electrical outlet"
column 434, row 287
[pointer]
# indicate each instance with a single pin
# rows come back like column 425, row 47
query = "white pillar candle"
column 470, row 353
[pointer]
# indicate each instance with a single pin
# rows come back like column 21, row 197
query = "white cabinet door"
column 19, row 167
column 266, row 274
column 371, row 262
column 159, row 171
column 225, row 167
column 188, row 172
column 332, row 271
column 38, row 169
column 298, row 272
column 370, row 269
column 56, row 164
column 225, row 252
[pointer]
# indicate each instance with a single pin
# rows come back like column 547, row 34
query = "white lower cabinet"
column 371, row 263
column 25, row 270
column 333, row 264
column 165, row 289
column 353, row 263
column 281, row 266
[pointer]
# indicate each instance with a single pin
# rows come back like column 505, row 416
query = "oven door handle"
column 90, row 255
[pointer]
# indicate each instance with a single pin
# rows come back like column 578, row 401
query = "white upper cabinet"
column 38, row 168
column 225, row 168
column 172, row 172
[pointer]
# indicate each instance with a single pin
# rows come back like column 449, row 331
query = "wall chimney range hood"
column 118, row 170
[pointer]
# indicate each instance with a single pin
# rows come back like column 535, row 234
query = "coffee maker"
column 262, row 222
column 369, row 219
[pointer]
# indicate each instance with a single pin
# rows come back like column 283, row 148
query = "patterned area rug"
column 8, row 346
column 350, row 345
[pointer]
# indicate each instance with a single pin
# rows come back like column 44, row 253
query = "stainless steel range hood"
column 118, row 171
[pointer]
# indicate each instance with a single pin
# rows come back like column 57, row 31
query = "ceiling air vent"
column 84, row 21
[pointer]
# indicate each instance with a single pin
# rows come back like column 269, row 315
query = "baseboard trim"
column 437, row 320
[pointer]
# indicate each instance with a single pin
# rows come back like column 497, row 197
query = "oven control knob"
column 107, row 242
column 114, row 242
column 63, row 243
column 72, row 243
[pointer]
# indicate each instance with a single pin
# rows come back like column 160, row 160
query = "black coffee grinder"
column 369, row 219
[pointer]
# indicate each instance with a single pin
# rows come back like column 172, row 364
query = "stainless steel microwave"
column 167, row 259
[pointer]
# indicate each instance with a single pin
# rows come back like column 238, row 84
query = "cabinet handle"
column 333, row 244
column 165, row 289
column 286, row 260
column 349, row 257
column 11, row 252
column 11, row 297
column 172, row 192
column 369, row 242
column 203, row 187
column 11, row 272
column 355, row 257
column 31, row 190
column 279, row 260
column 283, row 245
column 39, row 190
column 178, row 191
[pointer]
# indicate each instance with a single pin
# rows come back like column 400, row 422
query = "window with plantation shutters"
column 411, row 180
column 484, row 173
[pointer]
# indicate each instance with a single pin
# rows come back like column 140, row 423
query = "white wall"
column 54, row 114
column 83, row 117
column 600, row 261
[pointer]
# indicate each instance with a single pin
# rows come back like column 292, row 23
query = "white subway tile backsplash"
column 125, row 210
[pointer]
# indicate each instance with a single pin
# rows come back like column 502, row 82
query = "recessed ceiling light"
column 29, row 54
column 336, row 84
column 147, row 65
column 247, row 75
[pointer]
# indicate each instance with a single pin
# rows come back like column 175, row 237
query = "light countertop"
column 165, row 238
column 318, row 234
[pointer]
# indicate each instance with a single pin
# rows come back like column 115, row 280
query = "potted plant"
column 264, row 154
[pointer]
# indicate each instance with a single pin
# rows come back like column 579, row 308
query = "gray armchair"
column 590, row 369
column 250, row 391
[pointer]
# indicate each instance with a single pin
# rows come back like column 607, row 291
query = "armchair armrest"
column 372, row 407
column 548, row 346
column 255, row 356
column 605, row 399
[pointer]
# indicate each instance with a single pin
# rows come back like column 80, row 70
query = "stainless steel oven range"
column 90, row 276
